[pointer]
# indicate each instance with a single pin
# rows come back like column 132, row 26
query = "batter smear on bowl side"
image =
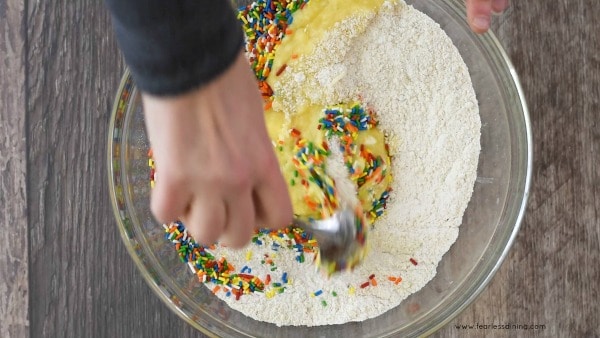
column 366, row 102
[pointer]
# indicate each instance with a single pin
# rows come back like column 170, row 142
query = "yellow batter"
column 312, row 191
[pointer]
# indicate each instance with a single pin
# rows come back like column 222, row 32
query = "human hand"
column 479, row 13
column 217, row 170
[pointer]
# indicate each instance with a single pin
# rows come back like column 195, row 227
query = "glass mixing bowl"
column 489, row 226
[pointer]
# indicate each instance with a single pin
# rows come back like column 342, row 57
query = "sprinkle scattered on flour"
column 403, row 66
column 338, row 171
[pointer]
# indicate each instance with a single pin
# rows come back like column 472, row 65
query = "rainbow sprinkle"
column 208, row 268
column 309, row 162
column 266, row 23
column 378, row 206
column 345, row 122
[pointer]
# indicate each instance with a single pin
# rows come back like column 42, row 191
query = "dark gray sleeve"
column 172, row 46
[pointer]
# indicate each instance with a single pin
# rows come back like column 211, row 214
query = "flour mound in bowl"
column 397, row 64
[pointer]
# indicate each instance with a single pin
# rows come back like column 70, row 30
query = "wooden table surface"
column 64, row 271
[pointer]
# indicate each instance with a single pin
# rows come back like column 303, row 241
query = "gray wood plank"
column 83, row 283
column 13, row 210
column 551, row 275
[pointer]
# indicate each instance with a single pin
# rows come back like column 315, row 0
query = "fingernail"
column 498, row 6
column 481, row 22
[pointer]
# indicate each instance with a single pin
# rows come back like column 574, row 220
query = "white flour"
column 406, row 68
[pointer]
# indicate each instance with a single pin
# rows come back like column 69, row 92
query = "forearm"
column 174, row 46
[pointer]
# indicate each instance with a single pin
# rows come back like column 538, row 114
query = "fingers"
column 240, row 220
column 169, row 199
column 226, row 179
column 271, row 198
column 479, row 15
column 205, row 219
column 498, row 6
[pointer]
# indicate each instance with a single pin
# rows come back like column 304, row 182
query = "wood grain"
column 551, row 274
column 83, row 283
column 59, row 73
column 13, row 212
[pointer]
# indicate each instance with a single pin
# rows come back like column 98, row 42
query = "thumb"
column 479, row 15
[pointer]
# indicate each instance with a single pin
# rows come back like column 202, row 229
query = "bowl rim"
column 121, row 106
column 489, row 275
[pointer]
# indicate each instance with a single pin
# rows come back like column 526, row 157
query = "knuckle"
column 161, row 207
column 239, row 178
column 172, row 178
column 236, row 177
column 168, row 198
column 270, row 166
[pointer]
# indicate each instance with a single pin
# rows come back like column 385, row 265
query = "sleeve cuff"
column 174, row 46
